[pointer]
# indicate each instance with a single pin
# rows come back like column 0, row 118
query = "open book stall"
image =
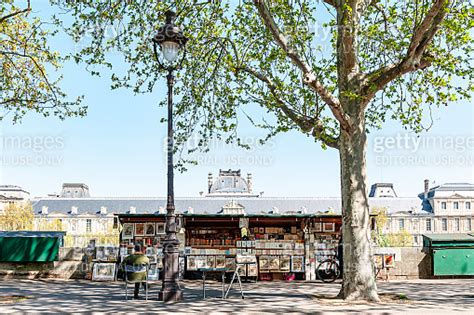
column 285, row 246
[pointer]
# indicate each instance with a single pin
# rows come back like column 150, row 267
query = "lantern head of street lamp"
column 170, row 39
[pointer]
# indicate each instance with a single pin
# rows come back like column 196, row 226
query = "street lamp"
column 171, row 41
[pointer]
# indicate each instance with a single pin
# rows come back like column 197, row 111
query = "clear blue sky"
column 117, row 149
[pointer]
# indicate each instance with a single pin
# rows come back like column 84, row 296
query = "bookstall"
column 286, row 246
column 322, row 238
column 148, row 230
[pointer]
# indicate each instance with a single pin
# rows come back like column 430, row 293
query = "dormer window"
column 443, row 205
column 456, row 205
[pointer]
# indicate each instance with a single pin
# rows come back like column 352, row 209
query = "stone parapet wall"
column 410, row 263
column 71, row 265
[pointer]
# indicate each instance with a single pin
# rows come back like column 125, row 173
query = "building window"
column 88, row 225
column 115, row 223
column 415, row 239
column 428, row 224
column 457, row 225
column 401, row 224
column 444, row 224
column 469, row 224
column 456, row 205
column 468, row 205
column 443, row 205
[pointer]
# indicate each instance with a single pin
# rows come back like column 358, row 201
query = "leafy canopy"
column 17, row 217
column 26, row 64
column 234, row 62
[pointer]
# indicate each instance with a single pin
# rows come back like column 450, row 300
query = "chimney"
column 209, row 182
column 44, row 210
column 249, row 182
column 103, row 210
column 427, row 188
column 133, row 210
column 73, row 210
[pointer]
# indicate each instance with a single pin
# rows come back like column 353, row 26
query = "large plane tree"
column 381, row 59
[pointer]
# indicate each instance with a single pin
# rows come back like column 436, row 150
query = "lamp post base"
column 171, row 295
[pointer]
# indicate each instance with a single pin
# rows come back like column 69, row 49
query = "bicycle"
column 328, row 270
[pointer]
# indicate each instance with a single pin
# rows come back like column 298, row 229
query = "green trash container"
column 30, row 246
column 451, row 254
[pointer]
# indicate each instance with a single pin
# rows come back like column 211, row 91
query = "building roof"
column 31, row 234
column 204, row 205
column 12, row 188
column 450, row 189
column 453, row 237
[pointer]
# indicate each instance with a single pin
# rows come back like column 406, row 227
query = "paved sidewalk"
column 56, row 296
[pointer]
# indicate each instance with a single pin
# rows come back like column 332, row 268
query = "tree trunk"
column 358, row 274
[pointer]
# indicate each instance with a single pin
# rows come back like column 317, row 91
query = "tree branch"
column 309, row 78
column 416, row 57
column 347, row 24
column 331, row 2
column 6, row 17
column 307, row 124
column 427, row 28
column 43, row 74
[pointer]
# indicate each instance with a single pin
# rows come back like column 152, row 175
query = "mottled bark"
column 358, row 275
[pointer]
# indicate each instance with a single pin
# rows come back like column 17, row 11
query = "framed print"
column 150, row 251
column 297, row 263
column 274, row 263
column 230, row 263
column 160, row 228
column 111, row 253
column 201, row 262
column 153, row 273
column 150, row 229
column 318, row 227
column 100, row 253
column 263, row 263
column 378, row 261
column 103, row 272
column 191, row 263
column 139, row 229
column 252, row 270
column 389, row 260
column 127, row 232
column 329, row 227
column 220, row 261
column 285, row 262
column 159, row 261
column 211, row 262
column 152, row 259
column 123, row 251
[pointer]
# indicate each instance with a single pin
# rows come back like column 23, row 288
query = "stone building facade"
column 11, row 194
column 446, row 208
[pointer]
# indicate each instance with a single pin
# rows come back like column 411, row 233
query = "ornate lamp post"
column 170, row 40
